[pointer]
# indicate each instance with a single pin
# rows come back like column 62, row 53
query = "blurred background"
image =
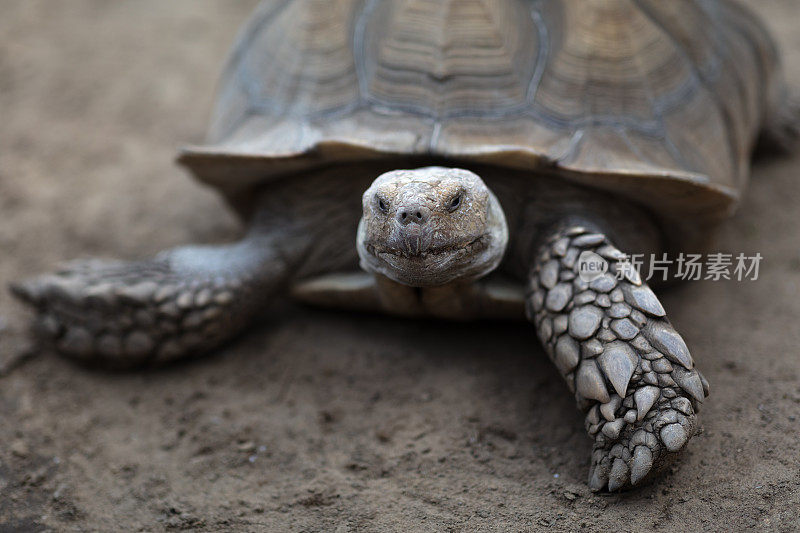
column 322, row 420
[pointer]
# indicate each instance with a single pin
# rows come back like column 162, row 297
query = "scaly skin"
column 182, row 302
column 629, row 369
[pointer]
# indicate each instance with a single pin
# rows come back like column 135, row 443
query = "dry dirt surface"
column 323, row 421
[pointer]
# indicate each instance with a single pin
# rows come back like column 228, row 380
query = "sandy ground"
column 320, row 421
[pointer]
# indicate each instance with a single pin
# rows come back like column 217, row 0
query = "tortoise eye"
column 454, row 203
column 382, row 205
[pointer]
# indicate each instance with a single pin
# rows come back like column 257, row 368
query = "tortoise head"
column 431, row 226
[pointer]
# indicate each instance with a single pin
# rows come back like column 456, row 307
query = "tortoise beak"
column 411, row 241
column 415, row 240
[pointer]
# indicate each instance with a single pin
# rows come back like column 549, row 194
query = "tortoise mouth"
column 433, row 266
column 456, row 250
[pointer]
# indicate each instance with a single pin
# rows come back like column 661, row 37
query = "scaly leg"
column 182, row 302
column 629, row 369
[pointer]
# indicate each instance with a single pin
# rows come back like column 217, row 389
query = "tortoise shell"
column 659, row 101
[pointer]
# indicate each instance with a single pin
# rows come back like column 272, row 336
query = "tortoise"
column 475, row 158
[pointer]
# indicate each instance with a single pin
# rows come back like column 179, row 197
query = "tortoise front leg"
column 189, row 300
column 184, row 301
column 611, row 340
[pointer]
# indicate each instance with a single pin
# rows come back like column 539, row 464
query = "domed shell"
column 660, row 101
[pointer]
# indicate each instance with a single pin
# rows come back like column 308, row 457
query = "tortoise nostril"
column 417, row 215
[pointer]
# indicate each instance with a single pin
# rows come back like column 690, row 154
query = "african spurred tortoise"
column 542, row 136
